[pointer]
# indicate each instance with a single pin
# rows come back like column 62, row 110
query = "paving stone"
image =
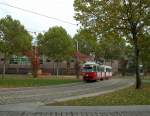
column 74, row 113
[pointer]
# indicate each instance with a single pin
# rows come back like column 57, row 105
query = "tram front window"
column 87, row 69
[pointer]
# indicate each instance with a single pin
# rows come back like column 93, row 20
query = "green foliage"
column 108, row 47
column 87, row 42
column 119, row 16
column 145, row 50
column 14, row 38
column 56, row 43
column 112, row 47
column 127, row 18
column 124, row 18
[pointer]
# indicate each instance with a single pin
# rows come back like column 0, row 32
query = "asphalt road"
column 31, row 101
column 49, row 94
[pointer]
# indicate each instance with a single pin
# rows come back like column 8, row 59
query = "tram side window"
column 94, row 68
column 108, row 69
column 101, row 69
column 98, row 69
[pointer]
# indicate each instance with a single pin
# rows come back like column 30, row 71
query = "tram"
column 91, row 71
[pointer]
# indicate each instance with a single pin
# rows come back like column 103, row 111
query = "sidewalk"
column 36, row 110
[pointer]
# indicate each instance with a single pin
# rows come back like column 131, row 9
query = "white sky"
column 61, row 9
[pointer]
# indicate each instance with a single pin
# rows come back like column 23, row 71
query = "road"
column 50, row 94
column 31, row 101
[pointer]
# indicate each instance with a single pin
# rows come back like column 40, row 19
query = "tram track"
column 52, row 93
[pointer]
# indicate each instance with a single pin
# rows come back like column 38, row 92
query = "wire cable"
column 36, row 13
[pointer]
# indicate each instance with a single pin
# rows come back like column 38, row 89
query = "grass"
column 128, row 96
column 146, row 79
column 26, row 81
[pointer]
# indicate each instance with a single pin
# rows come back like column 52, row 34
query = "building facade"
column 22, row 65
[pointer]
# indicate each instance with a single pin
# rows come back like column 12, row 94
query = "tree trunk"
column 17, row 68
column 34, row 68
column 138, row 79
column 4, row 67
column 34, row 72
column 57, row 69
column 68, row 67
column 123, row 66
column 111, row 62
column 77, row 68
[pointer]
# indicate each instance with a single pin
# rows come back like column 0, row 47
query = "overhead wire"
column 36, row 13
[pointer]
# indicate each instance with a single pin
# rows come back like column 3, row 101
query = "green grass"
column 26, row 81
column 128, row 96
column 146, row 79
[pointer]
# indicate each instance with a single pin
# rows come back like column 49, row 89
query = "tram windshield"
column 89, row 69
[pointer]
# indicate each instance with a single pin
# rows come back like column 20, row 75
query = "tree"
column 87, row 41
column 87, row 44
column 112, row 47
column 145, row 50
column 56, row 44
column 14, row 39
column 127, row 18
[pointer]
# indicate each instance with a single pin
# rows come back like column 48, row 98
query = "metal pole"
column 77, row 60
column 77, row 45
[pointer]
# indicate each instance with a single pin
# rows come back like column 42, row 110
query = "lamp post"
column 77, row 67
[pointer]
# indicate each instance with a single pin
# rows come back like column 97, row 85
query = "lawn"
column 128, row 96
column 26, row 81
column 146, row 79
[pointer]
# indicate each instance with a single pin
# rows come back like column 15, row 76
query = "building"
column 22, row 65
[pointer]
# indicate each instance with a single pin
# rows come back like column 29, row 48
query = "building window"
column 72, row 60
column 47, row 60
column 13, row 61
column 19, row 60
column 41, row 61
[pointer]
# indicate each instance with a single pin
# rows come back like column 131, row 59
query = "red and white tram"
column 92, row 71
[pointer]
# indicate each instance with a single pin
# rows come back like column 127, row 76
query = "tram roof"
column 94, row 63
column 106, row 66
column 90, row 63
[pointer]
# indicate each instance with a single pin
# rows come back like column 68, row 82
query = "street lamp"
column 77, row 67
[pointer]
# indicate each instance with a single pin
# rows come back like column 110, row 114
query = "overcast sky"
column 61, row 9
